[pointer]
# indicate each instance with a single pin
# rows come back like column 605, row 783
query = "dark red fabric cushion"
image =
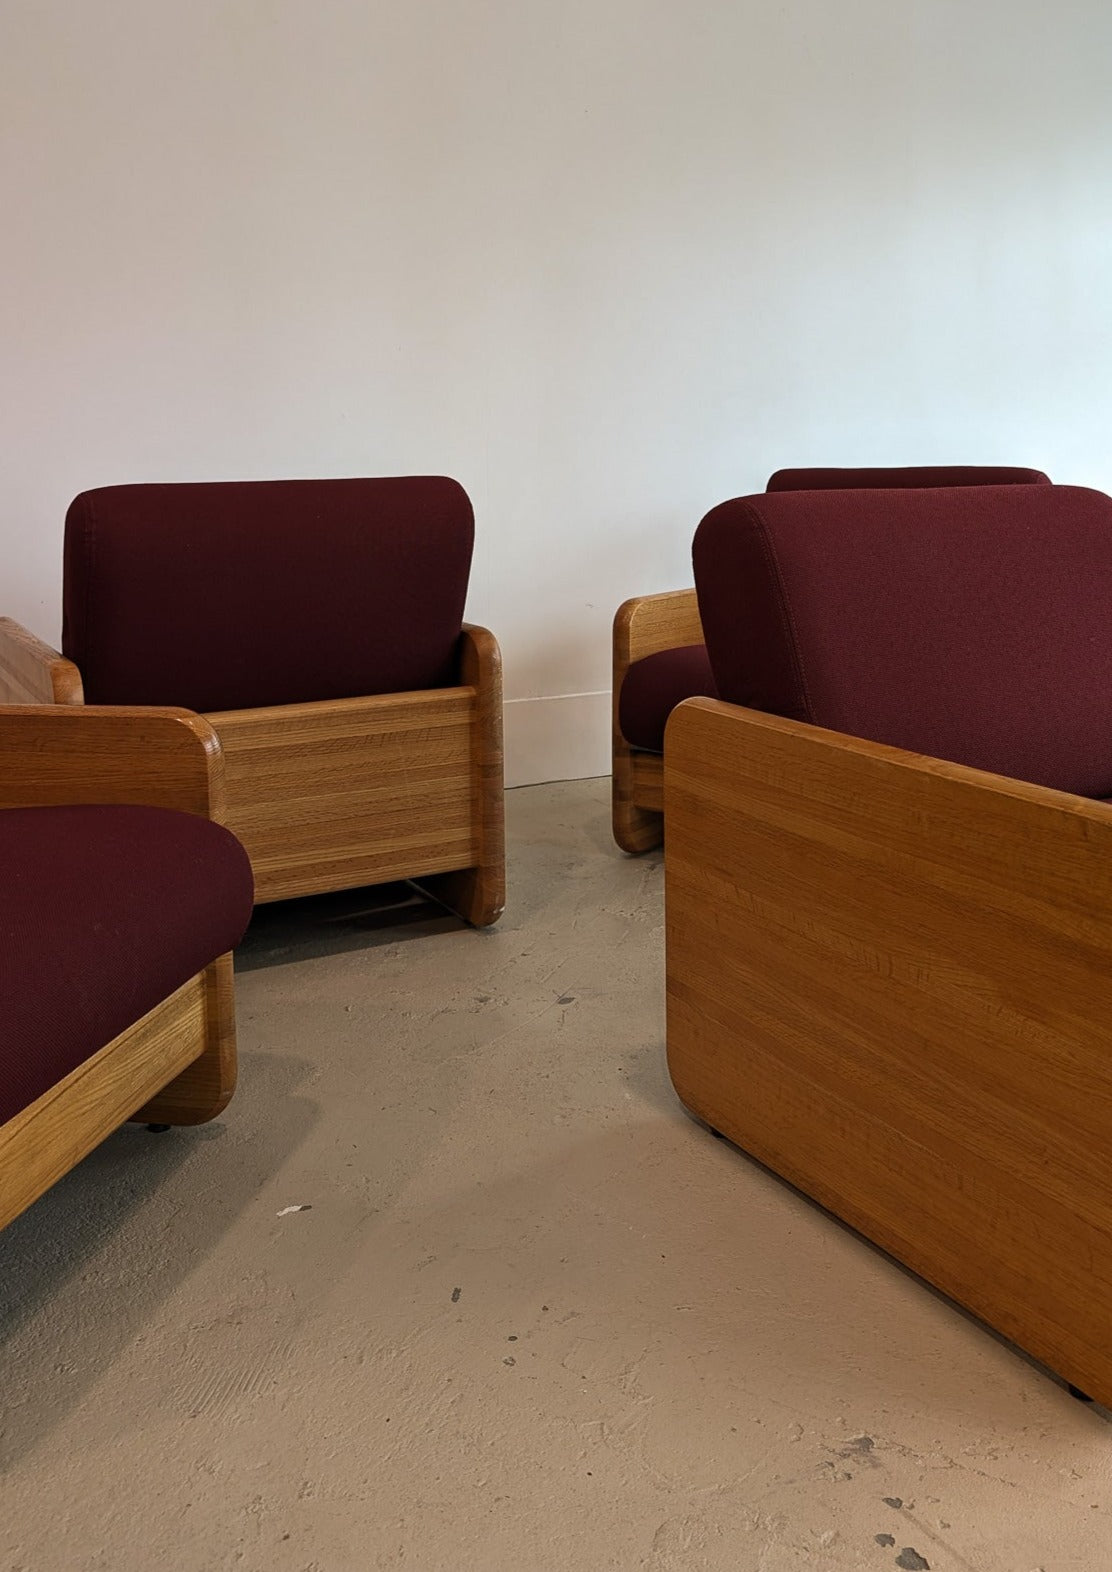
column 233, row 595
column 972, row 624
column 104, row 912
column 923, row 475
column 652, row 688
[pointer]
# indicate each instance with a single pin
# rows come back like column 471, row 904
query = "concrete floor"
column 534, row 1318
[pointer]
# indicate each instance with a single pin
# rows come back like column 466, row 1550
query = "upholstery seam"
column 90, row 546
column 772, row 561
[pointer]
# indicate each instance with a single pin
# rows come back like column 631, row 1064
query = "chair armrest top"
column 480, row 656
column 648, row 624
column 160, row 758
column 33, row 673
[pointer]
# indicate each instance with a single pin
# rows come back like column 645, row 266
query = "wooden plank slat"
column 352, row 791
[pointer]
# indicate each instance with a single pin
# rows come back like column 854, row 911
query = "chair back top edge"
column 222, row 595
column 968, row 623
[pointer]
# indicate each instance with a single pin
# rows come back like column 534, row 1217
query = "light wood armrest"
column 54, row 754
column 643, row 626
column 478, row 894
column 481, row 669
column 889, row 979
column 480, row 656
column 648, row 624
column 33, row 673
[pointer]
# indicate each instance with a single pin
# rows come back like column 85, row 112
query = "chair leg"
column 204, row 1088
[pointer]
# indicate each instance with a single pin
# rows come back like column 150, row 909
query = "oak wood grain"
column 349, row 792
column 646, row 771
column 62, row 1126
column 203, row 1089
column 54, row 754
column 645, row 625
column 890, row 979
column 478, row 893
column 648, row 624
column 33, row 673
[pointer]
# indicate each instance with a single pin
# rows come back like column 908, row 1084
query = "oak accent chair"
column 888, row 876
column 317, row 626
column 660, row 657
column 120, row 903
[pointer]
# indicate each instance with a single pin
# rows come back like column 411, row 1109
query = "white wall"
column 605, row 261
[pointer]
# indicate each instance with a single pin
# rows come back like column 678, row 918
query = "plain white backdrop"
column 607, row 262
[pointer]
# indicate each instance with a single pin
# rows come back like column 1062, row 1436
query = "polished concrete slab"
column 456, row 1284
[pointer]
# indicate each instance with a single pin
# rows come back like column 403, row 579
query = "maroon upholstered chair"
column 318, row 626
column 120, row 904
column 889, row 882
column 659, row 655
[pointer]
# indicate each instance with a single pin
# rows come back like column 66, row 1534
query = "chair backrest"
column 235, row 595
column 972, row 624
column 920, row 476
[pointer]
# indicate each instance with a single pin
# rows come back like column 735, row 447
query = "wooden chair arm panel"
column 482, row 899
column 710, row 732
column 480, row 657
column 889, row 978
column 33, row 673
column 55, row 754
column 651, row 623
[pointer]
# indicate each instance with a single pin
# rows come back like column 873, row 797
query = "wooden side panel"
column 33, row 673
column 54, row 754
column 204, row 1088
column 353, row 791
column 647, row 775
column 643, row 626
column 478, row 894
column 47, row 1139
column 890, row 979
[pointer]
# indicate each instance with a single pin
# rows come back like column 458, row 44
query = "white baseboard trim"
column 565, row 738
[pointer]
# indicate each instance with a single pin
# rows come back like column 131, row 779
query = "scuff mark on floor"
column 912, row 1561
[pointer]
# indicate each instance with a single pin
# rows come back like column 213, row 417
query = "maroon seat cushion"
column 104, row 912
column 233, row 595
column 972, row 624
column 652, row 688
column 915, row 476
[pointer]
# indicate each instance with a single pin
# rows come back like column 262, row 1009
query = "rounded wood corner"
column 485, row 650
column 67, row 684
column 625, row 614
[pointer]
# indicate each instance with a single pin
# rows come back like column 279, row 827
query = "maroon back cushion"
column 923, row 475
column 232, row 595
column 972, row 624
